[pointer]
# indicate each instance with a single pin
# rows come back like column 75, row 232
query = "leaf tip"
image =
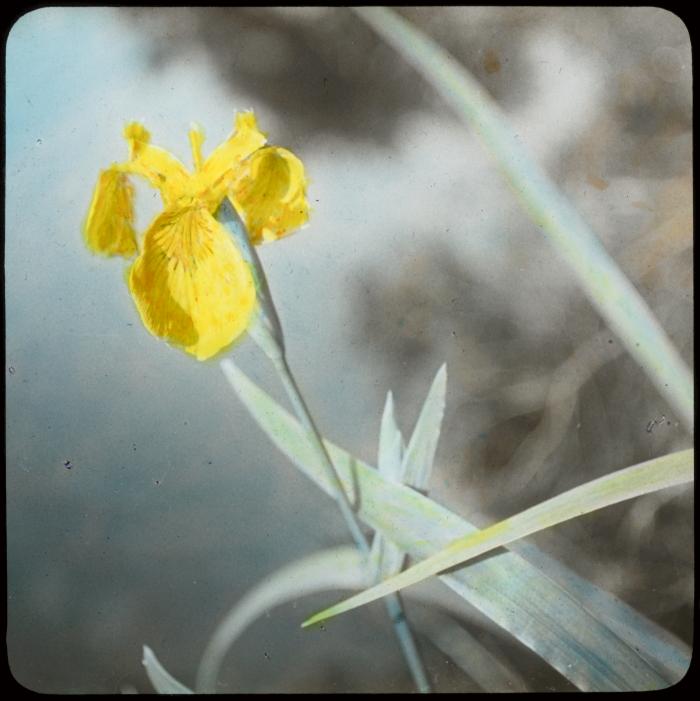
column 441, row 374
column 317, row 618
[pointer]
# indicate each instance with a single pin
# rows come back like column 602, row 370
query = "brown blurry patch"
column 500, row 443
column 597, row 182
column 663, row 254
column 491, row 62
column 642, row 205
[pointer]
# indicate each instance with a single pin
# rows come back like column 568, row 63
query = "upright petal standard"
column 189, row 281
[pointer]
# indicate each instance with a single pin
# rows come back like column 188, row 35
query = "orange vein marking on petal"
column 191, row 284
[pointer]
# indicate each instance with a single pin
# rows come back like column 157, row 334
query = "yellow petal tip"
column 135, row 131
column 246, row 120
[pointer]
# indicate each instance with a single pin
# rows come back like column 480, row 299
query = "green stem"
column 266, row 331
column 606, row 286
column 302, row 412
column 392, row 603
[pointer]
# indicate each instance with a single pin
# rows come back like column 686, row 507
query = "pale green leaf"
column 385, row 558
column 595, row 648
column 163, row 682
column 412, row 465
column 650, row 476
column 600, row 278
column 391, row 444
column 669, row 655
column 420, row 454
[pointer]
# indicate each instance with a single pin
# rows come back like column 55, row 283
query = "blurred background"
column 143, row 501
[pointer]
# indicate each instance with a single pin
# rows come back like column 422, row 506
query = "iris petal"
column 109, row 227
column 160, row 168
column 191, row 284
column 222, row 165
column 270, row 191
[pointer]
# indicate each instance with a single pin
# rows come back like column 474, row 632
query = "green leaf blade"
column 385, row 559
column 420, row 454
column 391, row 444
column 410, row 465
column 600, row 278
column 594, row 650
column 667, row 471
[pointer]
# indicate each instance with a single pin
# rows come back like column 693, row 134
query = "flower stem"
column 266, row 331
column 392, row 603
column 302, row 412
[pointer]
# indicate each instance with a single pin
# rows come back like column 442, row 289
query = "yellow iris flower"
column 189, row 281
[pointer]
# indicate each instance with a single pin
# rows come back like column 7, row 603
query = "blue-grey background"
column 175, row 503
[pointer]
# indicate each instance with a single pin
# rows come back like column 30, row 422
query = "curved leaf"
column 343, row 568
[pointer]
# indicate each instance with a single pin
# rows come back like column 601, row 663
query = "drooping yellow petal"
column 159, row 167
column 191, row 284
column 270, row 191
column 108, row 229
column 222, row 165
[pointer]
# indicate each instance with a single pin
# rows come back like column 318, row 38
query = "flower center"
column 198, row 192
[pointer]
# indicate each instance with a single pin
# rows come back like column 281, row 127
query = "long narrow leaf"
column 411, row 466
column 599, row 276
column 385, row 559
column 391, row 444
column 662, row 649
column 420, row 454
column 650, row 476
column 594, row 651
